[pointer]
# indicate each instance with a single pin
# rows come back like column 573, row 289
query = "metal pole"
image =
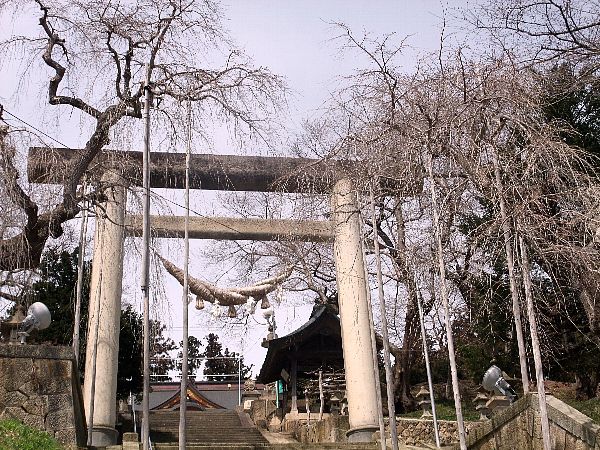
column 185, row 294
column 427, row 365
column 307, row 405
column 145, row 276
column 508, row 248
column 79, row 292
column 374, row 352
column 384, row 332
column 240, row 381
column 321, row 396
column 535, row 345
column 90, row 419
column 444, row 292
column 132, row 400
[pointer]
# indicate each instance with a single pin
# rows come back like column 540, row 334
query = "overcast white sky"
column 294, row 38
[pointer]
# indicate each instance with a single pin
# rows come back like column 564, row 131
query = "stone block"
column 14, row 371
column 66, row 435
column 55, row 386
column 37, row 405
column 57, row 420
column 16, row 412
column 21, row 415
column 12, row 398
column 53, row 368
column 33, row 421
column 38, row 386
column 558, row 437
column 59, row 401
column 36, row 351
column 30, row 387
column 130, row 437
column 132, row 446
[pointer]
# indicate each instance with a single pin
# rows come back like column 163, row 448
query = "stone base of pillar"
column 361, row 434
column 104, row 436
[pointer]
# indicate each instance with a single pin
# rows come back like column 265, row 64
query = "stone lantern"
column 334, row 402
column 424, row 402
column 480, row 402
column 10, row 328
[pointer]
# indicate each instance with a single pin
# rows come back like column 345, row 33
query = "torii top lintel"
column 207, row 171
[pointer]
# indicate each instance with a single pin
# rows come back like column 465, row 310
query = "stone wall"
column 39, row 385
column 519, row 427
column 420, row 431
column 261, row 411
column 331, row 429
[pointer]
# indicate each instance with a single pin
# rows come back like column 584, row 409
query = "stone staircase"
column 205, row 429
column 223, row 430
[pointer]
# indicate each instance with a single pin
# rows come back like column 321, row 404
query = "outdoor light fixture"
column 494, row 382
column 38, row 318
column 267, row 313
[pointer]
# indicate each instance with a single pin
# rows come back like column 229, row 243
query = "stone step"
column 294, row 446
column 204, row 429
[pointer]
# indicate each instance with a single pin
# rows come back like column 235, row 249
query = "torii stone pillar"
column 105, row 294
column 241, row 173
column 354, row 315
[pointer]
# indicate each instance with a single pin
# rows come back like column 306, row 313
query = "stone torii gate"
column 220, row 172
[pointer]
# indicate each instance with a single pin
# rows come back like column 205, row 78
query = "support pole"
column 79, row 291
column 354, row 315
column 380, row 420
column 321, row 396
column 294, row 387
column 535, row 344
column 102, row 350
column 239, row 381
column 445, row 302
column 145, row 275
column 384, row 333
column 307, row 406
column 427, row 364
column 93, row 329
column 185, row 294
column 508, row 248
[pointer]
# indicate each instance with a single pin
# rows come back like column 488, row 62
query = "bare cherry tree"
column 463, row 114
column 97, row 56
column 546, row 30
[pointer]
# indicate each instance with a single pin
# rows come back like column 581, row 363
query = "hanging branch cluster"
column 99, row 55
column 544, row 30
column 463, row 114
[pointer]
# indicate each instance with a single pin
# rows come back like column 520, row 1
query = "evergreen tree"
column 56, row 289
column 194, row 355
column 161, row 347
column 225, row 363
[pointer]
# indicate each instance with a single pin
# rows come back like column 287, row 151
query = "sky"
column 295, row 39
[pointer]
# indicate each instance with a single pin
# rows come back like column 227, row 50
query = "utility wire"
column 33, row 127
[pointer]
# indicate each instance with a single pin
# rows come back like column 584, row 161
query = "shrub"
column 16, row 436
